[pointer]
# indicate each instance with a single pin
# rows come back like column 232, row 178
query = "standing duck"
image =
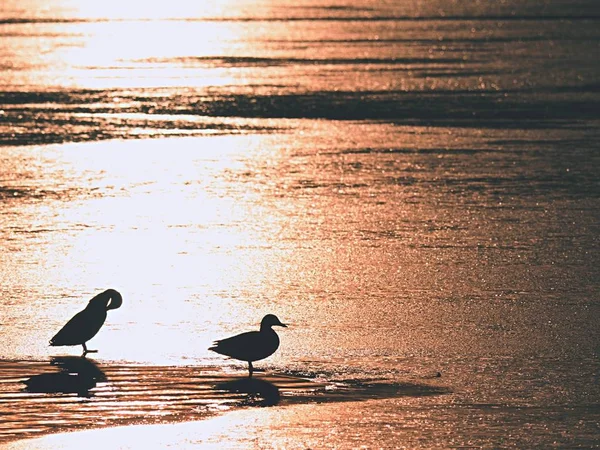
column 252, row 345
column 85, row 324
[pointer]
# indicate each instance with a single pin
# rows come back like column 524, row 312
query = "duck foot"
column 86, row 351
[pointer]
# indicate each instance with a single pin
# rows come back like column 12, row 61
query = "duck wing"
column 81, row 328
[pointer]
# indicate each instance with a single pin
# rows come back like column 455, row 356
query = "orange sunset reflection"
column 114, row 44
column 118, row 10
column 333, row 224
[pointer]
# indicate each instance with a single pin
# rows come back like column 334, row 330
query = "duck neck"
column 266, row 328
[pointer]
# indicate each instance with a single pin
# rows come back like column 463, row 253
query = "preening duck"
column 253, row 345
column 85, row 324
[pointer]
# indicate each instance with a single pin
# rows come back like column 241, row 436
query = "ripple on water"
column 37, row 397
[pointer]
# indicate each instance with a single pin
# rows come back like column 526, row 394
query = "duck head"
column 109, row 299
column 271, row 320
column 116, row 299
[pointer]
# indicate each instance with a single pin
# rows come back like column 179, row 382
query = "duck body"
column 85, row 324
column 81, row 328
column 252, row 345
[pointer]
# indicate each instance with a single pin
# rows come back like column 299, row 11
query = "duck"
column 252, row 345
column 84, row 325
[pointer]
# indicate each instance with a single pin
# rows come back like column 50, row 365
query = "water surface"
column 412, row 187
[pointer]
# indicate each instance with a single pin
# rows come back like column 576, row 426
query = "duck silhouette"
column 85, row 324
column 252, row 345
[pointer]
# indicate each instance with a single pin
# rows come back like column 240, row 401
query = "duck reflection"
column 77, row 375
column 258, row 392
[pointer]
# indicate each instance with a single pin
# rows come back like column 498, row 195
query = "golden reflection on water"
column 300, row 426
column 116, row 9
column 402, row 251
column 122, row 45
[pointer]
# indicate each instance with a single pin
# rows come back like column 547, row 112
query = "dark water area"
column 412, row 186
column 78, row 116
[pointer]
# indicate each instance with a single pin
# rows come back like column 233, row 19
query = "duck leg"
column 250, row 369
column 86, row 351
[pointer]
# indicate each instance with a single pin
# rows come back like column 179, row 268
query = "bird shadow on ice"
column 274, row 389
column 257, row 392
column 76, row 375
